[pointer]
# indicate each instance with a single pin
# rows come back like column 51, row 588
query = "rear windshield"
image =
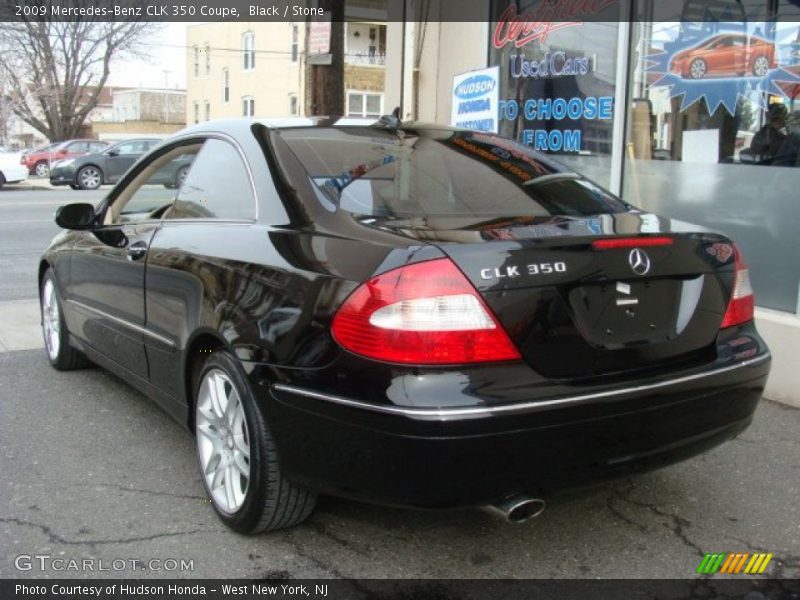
column 439, row 172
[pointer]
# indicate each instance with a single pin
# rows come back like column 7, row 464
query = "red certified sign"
column 537, row 23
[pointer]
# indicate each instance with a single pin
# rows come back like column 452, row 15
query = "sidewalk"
column 32, row 184
column 19, row 325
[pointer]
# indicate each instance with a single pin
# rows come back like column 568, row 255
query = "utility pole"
column 327, row 80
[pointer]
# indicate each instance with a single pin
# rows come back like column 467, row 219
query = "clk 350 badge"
column 532, row 269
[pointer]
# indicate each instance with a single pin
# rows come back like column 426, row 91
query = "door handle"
column 137, row 250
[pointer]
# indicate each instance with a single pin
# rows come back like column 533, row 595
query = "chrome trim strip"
column 444, row 413
column 138, row 328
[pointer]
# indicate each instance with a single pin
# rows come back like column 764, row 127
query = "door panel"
column 115, row 166
column 105, row 292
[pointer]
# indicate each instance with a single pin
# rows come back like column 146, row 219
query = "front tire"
column 238, row 456
column 89, row 178
column 61, row 355
column 42, row 169
column 698, row 68
column 760, row 66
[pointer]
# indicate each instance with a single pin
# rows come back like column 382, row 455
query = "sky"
column 167, row 53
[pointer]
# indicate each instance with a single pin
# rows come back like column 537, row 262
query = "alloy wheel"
column 697, row 69
column 42, row 169
column 760, row 66
column 223, row 441
column 51, row 322
column 89, row 178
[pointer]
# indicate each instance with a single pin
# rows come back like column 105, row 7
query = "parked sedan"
column 10, row 169
column 404, row 314
column 38, row 161
column 726, row 54
column 90, row 171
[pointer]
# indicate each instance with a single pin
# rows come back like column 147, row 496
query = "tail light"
column 422, row 314
column 742, row 303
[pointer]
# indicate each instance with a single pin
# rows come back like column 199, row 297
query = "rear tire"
column 698, row 68
column 2, row 180
column 61, row 355
column 760, row 66
column 238, row 457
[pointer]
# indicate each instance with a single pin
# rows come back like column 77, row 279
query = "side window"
column 216, row 187
column 97, row 147
column 127, row 148
column 152, row 192
column 78, row 147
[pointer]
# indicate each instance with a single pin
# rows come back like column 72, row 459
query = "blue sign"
column 721, row 64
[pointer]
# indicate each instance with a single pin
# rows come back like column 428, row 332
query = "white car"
column 11, row 171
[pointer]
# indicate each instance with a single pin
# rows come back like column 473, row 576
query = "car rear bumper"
column 441, row 458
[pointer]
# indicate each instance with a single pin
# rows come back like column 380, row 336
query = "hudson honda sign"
column 475, row 100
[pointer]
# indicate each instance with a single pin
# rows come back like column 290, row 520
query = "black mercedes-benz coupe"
column 406, row 314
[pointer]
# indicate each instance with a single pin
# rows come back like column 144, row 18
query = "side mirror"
column 79, row 215
column 114, row 152
column 62, row 152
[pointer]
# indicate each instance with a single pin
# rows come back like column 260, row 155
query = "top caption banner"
column 520, row 15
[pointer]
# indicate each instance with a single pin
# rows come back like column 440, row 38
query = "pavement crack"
column 151, row 492
column 677, row 524
column 55, row 538
column 317, row 562
column 344, row 543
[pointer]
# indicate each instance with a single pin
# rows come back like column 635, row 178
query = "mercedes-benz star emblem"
column 639, row 261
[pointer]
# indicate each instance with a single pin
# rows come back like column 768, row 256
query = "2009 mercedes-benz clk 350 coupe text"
column 406, row 314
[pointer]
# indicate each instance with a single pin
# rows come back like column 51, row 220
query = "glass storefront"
column 712, row 125
column 557, row 84
column 713, row 137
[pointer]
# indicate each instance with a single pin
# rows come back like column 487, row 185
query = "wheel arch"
column 44, row 264
column 202, row 343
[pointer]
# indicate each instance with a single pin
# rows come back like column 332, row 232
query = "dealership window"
column 226, row 85
column 364, row 104
column 196, row 69
column 557, row 86
column 207, row 53
column 294, row 45
column 248, row 106
column 293, row 105
column 713, row 135
column 249, row 50
column 196, row 112
column 208, row 110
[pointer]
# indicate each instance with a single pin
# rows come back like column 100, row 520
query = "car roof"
column 241, row 123
column 241, row 127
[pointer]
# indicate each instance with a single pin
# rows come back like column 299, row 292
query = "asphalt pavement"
column 94, row 470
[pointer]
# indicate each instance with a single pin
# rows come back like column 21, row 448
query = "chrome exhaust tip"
column 517, row 509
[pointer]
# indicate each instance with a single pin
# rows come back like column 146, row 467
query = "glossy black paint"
column 148, row 299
